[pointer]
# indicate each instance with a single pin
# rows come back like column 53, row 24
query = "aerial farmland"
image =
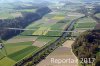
column 35, row 33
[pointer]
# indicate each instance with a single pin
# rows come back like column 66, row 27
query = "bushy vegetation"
column 87, row 45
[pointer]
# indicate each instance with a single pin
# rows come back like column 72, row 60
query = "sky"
column 1, row 1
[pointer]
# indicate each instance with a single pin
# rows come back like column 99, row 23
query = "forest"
column 20, row 22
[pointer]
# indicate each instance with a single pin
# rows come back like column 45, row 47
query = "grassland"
column 7, row 62
column 98, row 15
column 22, row 53
column 9, row 11
column 13, row 47
column 59, row 17
column 27, row 10
column 86, row 23
column 83, row 25
column 5, row 16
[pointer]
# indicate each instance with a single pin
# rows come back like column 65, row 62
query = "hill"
column 87, row 47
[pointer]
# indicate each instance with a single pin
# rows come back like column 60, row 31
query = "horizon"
column 74, row 1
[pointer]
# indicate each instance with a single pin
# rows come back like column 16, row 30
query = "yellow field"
column 41, row 31
column 46, row 19
column 58, row 17
column 7, row 62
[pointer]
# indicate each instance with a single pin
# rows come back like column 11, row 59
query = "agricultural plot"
column 41, row 31
column 60, row 26
column 13, row 47
column 72, row 16
column 21, row 38
column 86, row 23
column 29, row 32
column 37, row 26
column 43, row 40
column 26, row 10
column 98, row 15
column 16, row 52
column 10, row 11
column 62, row 52
column 83, row 25
column 58, row 17
column 7, row 62
column 1, row 55
column 7, row 15
column 22, row 53
column 23, row 45
column 44, row 25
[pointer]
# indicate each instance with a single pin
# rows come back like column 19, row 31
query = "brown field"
column 63, row 52
column 39, row 43
column 17, row 14
column 21, row 39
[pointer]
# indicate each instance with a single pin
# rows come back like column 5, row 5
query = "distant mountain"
column 91, row 0
column 40, row 1
column 75, row 1
column 82, row 1
column 36, row 1
column 12, row 1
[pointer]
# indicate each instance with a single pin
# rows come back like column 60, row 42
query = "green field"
column 98, row 15
column 5, row 16
column 85, row 25
column 11, row 48
column 46, row 38
column 22, row 53
column 16, row 51
column 27, row 10
column 86, row 20
column 7, row 62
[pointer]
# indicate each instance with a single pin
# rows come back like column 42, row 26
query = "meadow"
column 83, row 25
column 98, row 15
